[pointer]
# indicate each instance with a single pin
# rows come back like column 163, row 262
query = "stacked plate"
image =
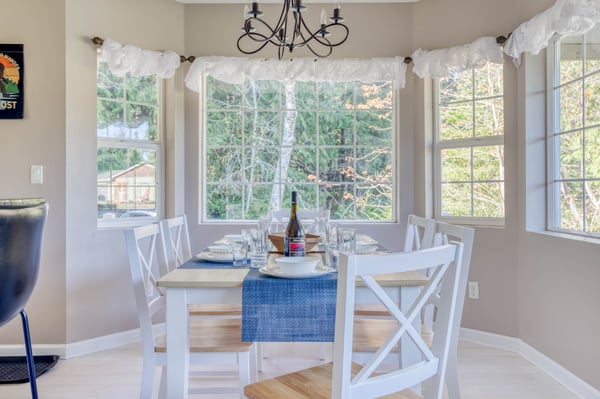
column 216, row 253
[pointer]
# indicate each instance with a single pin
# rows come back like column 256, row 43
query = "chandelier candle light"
column 291, row 31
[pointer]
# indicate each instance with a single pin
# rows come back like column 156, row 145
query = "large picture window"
column 574, row 134
column 129, row 147
column 469, row 146
column 331, row 142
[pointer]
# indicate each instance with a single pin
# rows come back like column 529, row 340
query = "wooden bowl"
column 277, row 240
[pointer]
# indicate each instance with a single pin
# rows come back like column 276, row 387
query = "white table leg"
column 178, row 343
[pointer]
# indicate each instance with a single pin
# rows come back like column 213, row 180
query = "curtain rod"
column 182, row 58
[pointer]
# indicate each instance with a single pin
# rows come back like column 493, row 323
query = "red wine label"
column 295, row 247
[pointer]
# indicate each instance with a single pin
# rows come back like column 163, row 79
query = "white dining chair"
column 418, row 234
column 343, row 379
column 212, row 341
column 280, row 218
column 445, row 233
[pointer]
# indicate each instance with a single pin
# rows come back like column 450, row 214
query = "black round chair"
column 21, row 229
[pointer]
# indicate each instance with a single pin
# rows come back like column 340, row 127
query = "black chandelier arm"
column 317, row 35
column 249, row 52
column 317, row 54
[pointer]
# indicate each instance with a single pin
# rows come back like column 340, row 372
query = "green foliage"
column 331, row 142
column 471, row 115
column 577, row 138
column 128, row 134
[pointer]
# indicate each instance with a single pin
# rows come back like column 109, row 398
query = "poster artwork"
column 11, row 81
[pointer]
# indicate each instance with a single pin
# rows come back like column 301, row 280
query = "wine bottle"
column 294, row 240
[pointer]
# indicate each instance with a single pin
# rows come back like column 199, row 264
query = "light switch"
column 37, row 174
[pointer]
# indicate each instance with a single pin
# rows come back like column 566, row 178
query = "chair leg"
column 244, row 370
column 29, row 352
column 452, row 376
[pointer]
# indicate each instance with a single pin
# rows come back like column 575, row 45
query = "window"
column 469, row 147
column 129, row 147
column 574, row 135
column 331, row 142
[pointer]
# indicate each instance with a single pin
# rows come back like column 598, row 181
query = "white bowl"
column 296, row 264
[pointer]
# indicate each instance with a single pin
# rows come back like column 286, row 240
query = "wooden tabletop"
column 229, row 278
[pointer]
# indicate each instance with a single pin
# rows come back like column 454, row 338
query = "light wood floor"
column 485, row 373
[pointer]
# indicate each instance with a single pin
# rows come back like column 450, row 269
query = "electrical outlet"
column 37, row 174
column 473, row 290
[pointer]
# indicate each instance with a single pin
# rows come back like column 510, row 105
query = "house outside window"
column 574, row 134
column 334, row 143
column 129, row 148
column 469, row 147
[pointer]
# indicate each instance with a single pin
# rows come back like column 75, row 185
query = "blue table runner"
column 288, row 310
column 282, row 309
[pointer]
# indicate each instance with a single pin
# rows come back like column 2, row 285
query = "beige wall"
column 528, row 281
column 39, row 139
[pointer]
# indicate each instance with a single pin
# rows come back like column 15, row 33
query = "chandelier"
column 291, row 31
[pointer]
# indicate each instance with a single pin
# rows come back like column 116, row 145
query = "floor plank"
column 485, row 373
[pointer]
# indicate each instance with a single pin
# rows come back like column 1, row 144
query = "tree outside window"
column 574, row 135
column 469, row 146
column 331, row 142
column 128, row 134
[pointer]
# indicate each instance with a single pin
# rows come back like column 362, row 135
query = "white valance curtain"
column 127, row 59
column 237, row 69
column 565, row 18
column 440, row 63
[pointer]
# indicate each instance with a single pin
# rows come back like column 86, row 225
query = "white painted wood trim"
column 543, row 362
column 81, row 348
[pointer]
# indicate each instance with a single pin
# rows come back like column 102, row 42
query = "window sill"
column 566, row 236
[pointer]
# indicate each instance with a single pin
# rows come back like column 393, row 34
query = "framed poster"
column 11, row 81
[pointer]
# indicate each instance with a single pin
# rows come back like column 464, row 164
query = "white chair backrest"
column 445, row 233
column 445, row 260
column 419, row 233
column 177, row 239
column 147, row 257
column 307, row 218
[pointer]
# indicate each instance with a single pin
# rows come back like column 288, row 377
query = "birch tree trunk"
column 287, row 140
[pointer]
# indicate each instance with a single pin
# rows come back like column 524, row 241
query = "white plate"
column 365, row 249
column 274, row 272
column 212, row 257
column 233, row 237
column 364, row 239
column 220, row 249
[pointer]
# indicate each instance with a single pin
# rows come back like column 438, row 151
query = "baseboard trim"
column 563, row 376
column 81, row 348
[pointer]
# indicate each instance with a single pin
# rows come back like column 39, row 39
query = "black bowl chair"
column 21, row 230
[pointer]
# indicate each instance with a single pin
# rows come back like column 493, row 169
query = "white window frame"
column 203, row 166
column 553, row 213
column 470, row 143
column 158, row 147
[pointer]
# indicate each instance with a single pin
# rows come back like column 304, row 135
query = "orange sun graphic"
column 10, row 69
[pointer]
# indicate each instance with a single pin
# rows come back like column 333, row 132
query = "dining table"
column 199, row 282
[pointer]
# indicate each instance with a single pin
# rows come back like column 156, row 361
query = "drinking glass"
column 346, row 240
column 331, row 232
column 240, row 254
column 258, row 248
column 332, row 254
